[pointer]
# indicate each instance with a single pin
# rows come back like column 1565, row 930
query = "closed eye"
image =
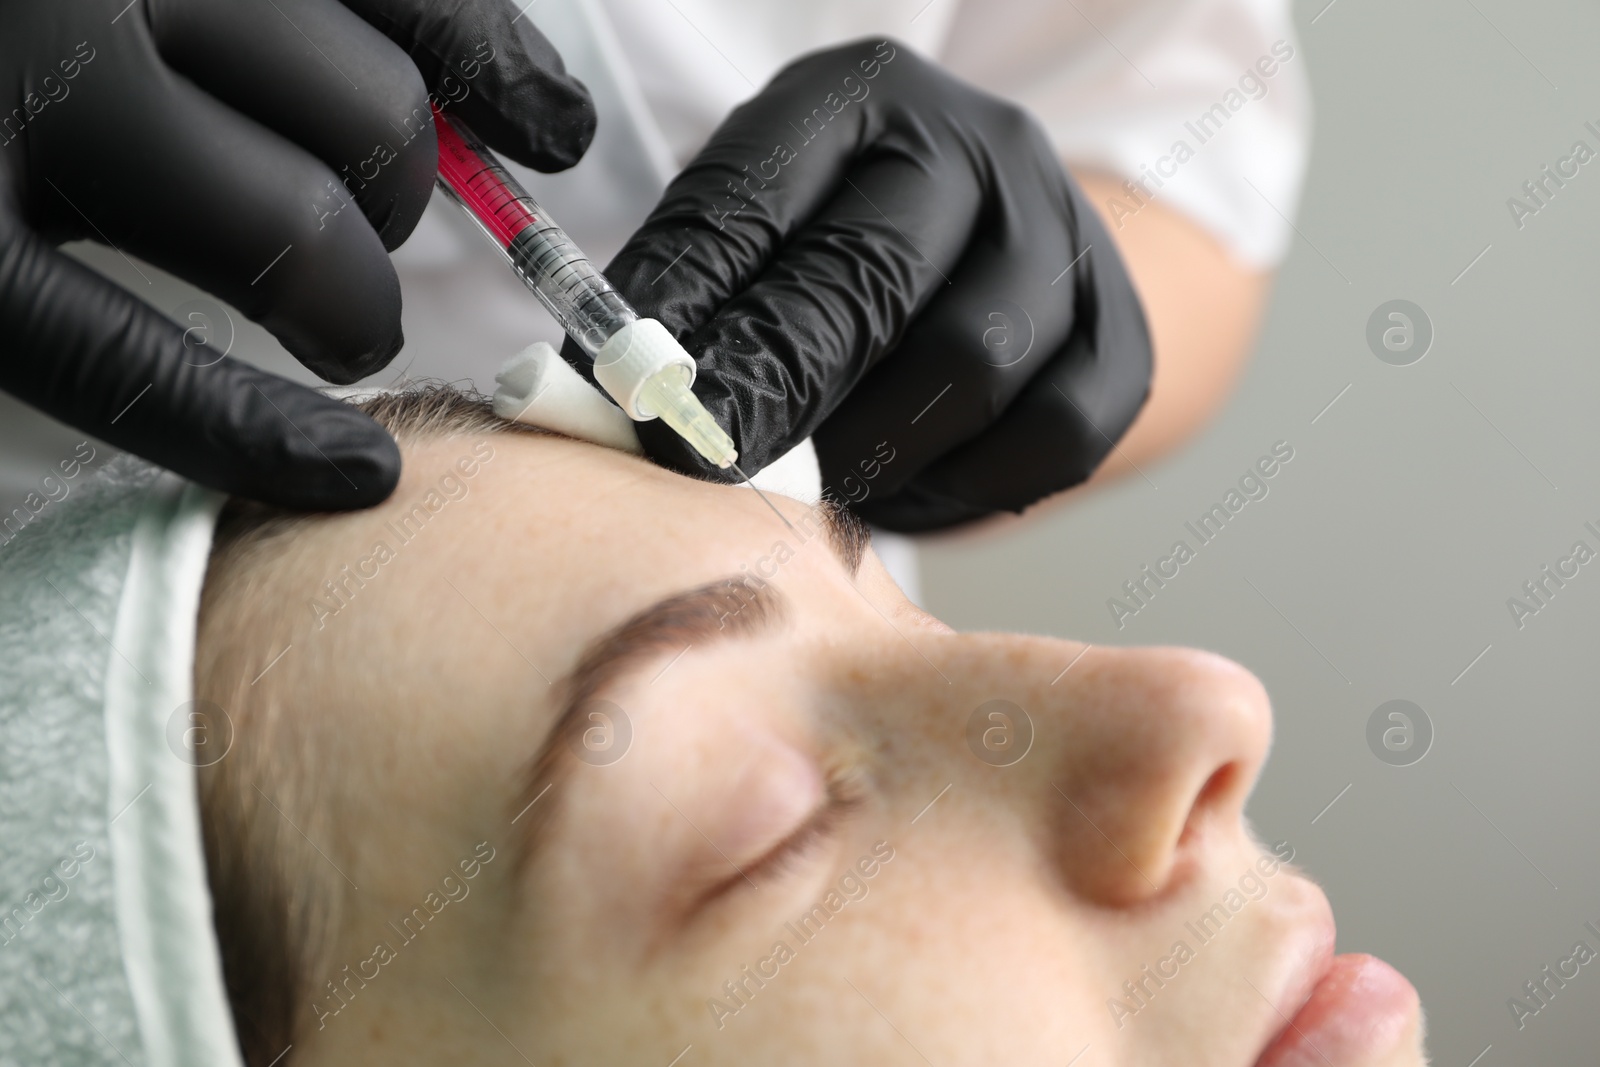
column 845, row 796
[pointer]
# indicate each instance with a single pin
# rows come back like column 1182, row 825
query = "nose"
column 1141, row 756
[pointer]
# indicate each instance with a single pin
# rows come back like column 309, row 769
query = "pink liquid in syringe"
column 481, row 184
column 537, row 250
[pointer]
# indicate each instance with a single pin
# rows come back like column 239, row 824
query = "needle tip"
column 740, row 471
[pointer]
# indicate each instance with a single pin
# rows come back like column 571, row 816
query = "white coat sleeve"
column 1200, row 105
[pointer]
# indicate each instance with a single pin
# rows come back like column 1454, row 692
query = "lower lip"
column 1361, row 1009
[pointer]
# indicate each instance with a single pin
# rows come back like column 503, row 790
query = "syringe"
column 636, row 360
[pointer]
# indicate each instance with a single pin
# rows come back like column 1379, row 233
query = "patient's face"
column 791, row 820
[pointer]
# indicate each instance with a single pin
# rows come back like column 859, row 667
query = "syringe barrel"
column 539, row 251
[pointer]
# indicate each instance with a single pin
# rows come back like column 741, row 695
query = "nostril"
column 1219, row 786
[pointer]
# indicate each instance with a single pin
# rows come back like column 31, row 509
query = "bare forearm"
column 1203, row 308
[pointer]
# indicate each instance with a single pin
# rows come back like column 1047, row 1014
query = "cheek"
column 957, row 943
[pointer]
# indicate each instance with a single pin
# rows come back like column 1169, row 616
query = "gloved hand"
column 271, row 153
column 878, row 254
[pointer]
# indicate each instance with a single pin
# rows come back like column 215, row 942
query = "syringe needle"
column 763, row 496
column 637, row 361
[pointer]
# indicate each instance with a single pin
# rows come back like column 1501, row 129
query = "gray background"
column 1416, row 505
column 1380, row 563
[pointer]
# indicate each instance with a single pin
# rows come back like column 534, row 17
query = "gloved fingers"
column 491, row 66
column 1042, row 291
column 234, row 208
column 88, row 353
column 767, row 170
column 319, row 76
column 1058, row 430
column 776, row 359
column 962, row 363
column 1027, row 275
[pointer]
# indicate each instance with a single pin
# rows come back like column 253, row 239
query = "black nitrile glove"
column 271, row 153
column 873, row 252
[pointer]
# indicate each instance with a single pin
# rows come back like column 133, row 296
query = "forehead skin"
column 548, row 540
column 546, row 544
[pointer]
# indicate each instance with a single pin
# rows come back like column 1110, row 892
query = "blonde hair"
column 277, row 903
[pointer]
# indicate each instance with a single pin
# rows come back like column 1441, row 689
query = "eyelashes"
column 845, row 796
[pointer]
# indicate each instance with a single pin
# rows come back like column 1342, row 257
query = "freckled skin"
column 1018, row 900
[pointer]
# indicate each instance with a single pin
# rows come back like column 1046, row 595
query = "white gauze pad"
column 538, row 387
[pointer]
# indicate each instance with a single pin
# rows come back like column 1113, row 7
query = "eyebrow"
column 729, row 608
